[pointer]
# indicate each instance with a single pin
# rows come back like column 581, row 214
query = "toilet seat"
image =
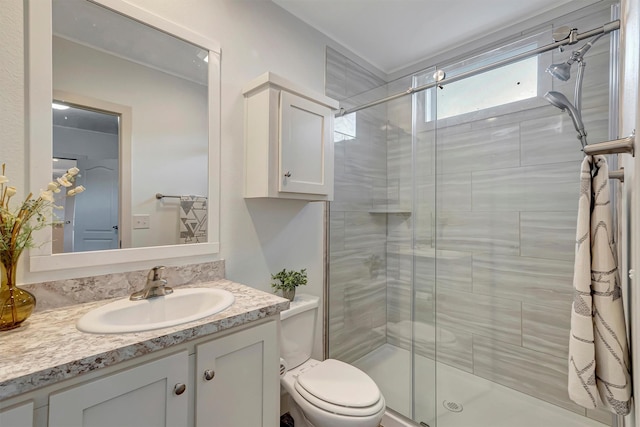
column 339, row 388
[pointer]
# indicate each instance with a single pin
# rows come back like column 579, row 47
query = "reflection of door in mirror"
column 88, row 139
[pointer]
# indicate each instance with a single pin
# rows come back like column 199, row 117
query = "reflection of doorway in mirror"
column 90, row 140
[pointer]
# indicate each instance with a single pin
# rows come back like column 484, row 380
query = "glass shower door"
column 507, row 168
column 372, row 262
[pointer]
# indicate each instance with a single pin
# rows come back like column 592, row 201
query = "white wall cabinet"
column 230, row 380
column 154, row 394
column 288, row 140
column 237, row 379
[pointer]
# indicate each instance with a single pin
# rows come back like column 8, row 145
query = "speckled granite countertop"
column 48, row 348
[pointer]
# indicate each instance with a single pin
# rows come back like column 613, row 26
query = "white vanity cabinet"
column 288, row 140
column 154, row 394
column 226, row 379
column 237, row 379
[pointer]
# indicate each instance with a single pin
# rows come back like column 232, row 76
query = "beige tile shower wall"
column 358, row 282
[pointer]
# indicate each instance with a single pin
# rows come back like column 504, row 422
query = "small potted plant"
column 288, row 281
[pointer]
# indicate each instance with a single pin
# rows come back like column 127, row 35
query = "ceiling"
column 394, row 34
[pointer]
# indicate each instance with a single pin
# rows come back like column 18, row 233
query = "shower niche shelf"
column 390, row 210
column 426, row 252
column 288, row 140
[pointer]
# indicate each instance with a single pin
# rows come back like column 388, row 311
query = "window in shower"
column 344, row 127
column 504, row 85
column 495, row 92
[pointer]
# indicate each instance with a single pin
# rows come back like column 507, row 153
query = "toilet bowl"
column 326, row 393
column 332, row 393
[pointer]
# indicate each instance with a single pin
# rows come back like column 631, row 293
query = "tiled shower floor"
column 483, row 403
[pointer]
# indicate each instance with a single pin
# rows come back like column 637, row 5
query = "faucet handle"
column 156, row 273
column 156, row 286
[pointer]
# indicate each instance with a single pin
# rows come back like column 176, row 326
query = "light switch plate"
column 141, row 221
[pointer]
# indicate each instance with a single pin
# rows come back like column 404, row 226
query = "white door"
column 96, row 210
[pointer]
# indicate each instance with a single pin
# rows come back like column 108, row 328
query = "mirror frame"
column 39, row 83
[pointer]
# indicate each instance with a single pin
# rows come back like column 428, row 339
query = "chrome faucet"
column 156, row 286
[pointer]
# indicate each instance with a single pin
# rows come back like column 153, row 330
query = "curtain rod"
column 573, row 38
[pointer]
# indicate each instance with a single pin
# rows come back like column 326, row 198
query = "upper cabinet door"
column 304, row 149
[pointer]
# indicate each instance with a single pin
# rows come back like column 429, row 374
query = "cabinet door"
column 238, row 382
column 306, row 156
column 142, row 396
column 18, row 416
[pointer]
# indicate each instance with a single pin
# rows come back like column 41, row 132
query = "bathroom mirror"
column 136, row 107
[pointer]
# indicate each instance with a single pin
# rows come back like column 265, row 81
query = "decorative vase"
column 16, row 304
column 289, row 294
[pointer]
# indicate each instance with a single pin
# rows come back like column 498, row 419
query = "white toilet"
column 323, row 394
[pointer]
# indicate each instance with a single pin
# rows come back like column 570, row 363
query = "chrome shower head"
column 563, row 71
column 559, row 100
column 560, row 71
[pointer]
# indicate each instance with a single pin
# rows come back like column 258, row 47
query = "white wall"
column 258, row 237
column 12, row 102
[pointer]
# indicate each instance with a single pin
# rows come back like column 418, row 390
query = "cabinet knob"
column 179, row 389
column 288, row 174
column 209, row 374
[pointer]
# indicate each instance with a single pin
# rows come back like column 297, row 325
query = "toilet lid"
column 338, row 383
column 367, row 411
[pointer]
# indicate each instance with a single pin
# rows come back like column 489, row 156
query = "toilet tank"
column 297, row 330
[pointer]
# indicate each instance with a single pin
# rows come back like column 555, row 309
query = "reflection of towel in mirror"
column 599, row 370
column 193, row 219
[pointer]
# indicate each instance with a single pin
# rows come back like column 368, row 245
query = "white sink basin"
column 182, row 306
